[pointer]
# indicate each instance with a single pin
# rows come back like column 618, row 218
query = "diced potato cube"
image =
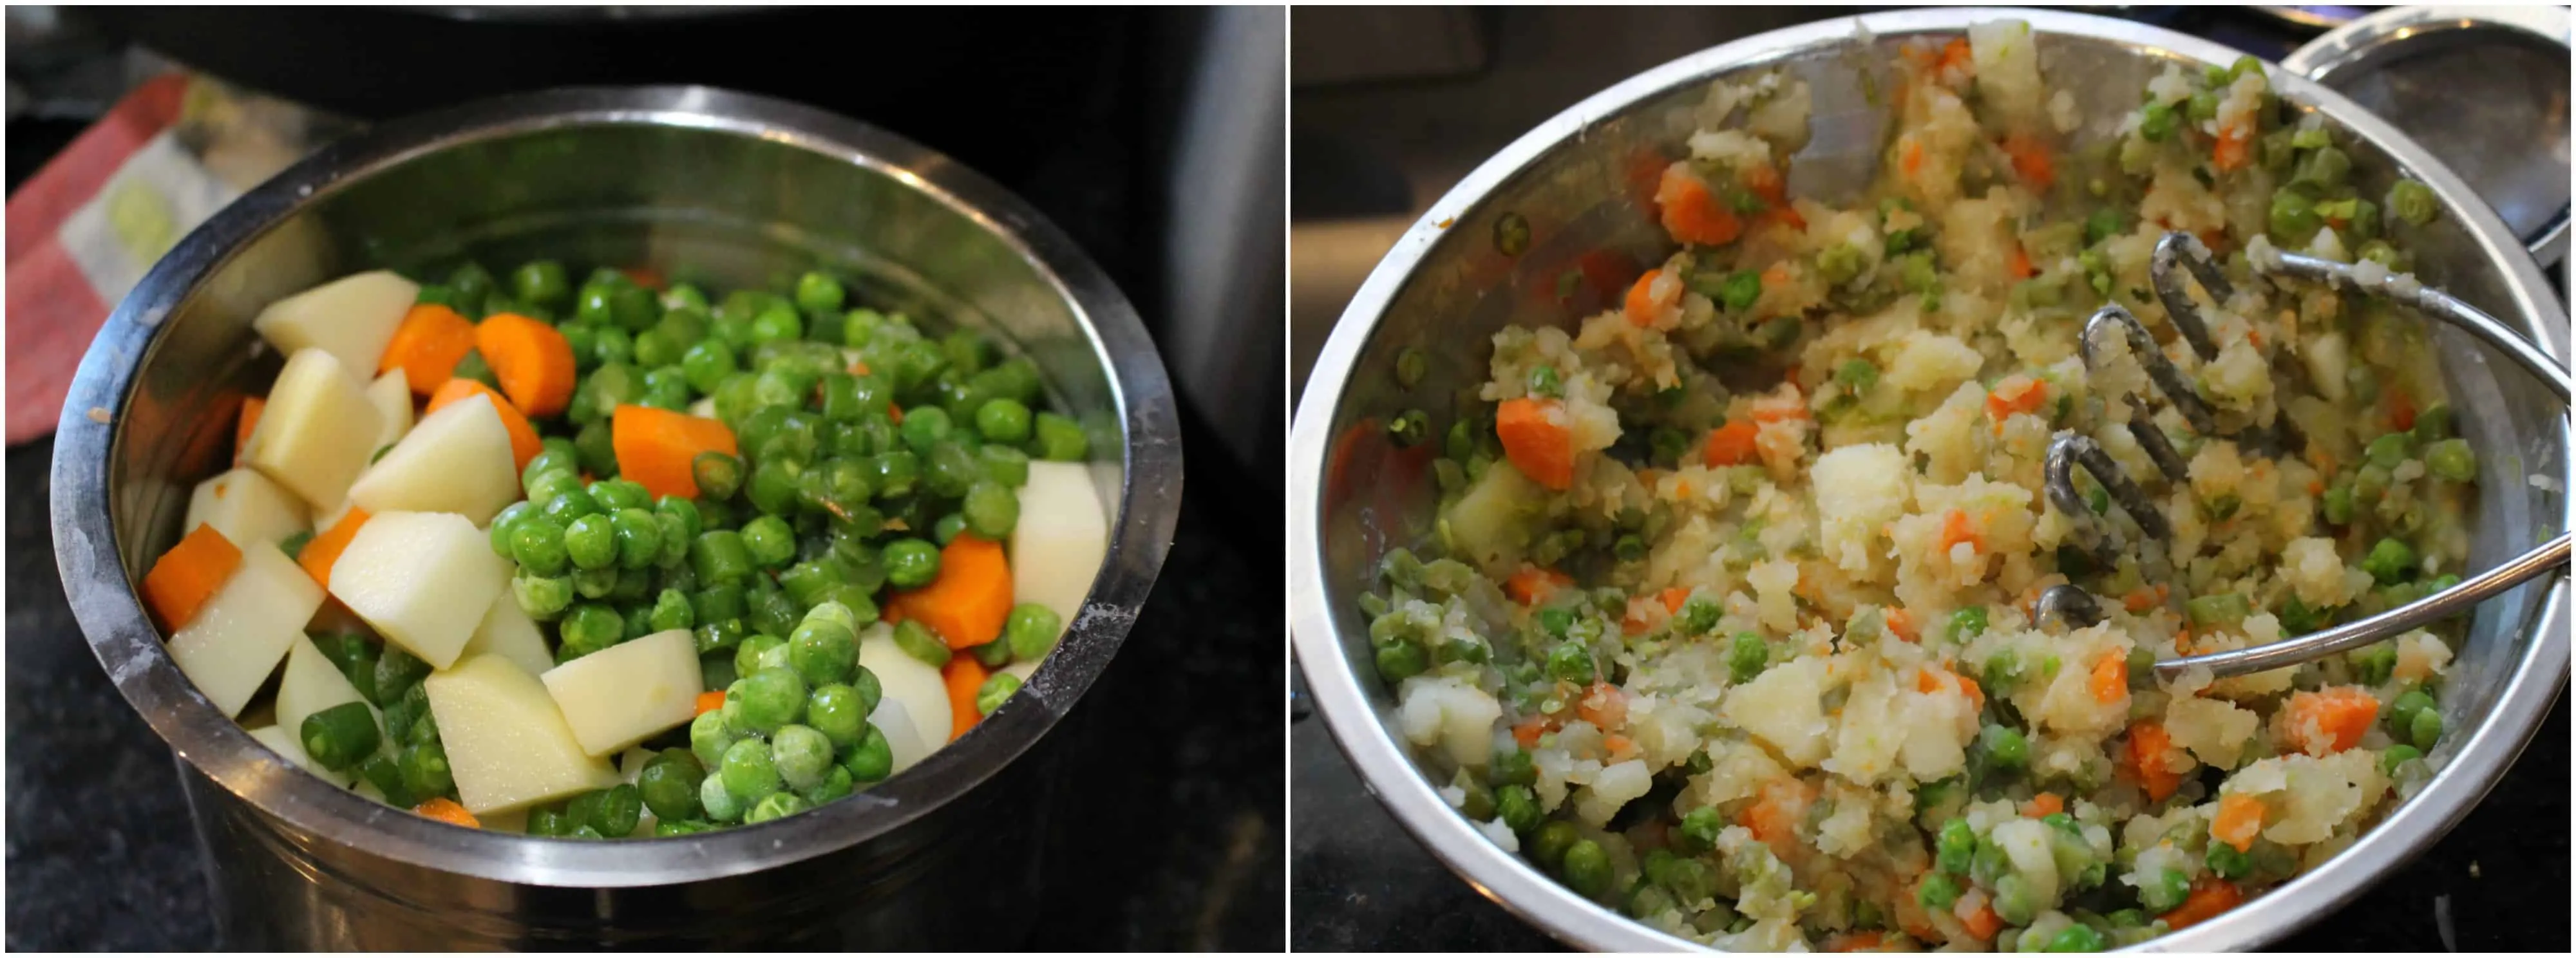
column 507, row 631
column 285, row 743
column 455, row 460
column 626, row 693
column 311, row 684
column 1060, row 540
column 317, row 431
column 506, row 742
column 237, row 637
column 914, row 712
column 246, row 507
column 1490, row 521
column 352, row 318
column 422, row 579
column 392, row 395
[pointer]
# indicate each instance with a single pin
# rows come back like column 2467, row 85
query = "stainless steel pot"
column 702, row 184
column 1446, row 288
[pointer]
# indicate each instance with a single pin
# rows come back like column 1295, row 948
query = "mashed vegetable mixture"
column 1727, row 620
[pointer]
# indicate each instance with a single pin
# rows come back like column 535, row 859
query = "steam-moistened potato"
column 246, row 507
column 625, row 693
column 285, row 743
column 914, row 712
column 317, row 431
column 422, row 579
column 352, row 318
column 506, row 742
column 1060, row 540
column 507, row 631
column 392, row 395
column 455, row 460
column 236, row 639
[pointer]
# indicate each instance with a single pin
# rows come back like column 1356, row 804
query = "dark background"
column 1389, row 108
column 1170, row 830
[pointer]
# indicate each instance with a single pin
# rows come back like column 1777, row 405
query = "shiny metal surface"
column 2484, row 88
column 1445, row 289
column 702, row 184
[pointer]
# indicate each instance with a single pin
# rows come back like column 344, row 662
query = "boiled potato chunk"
column 1060, row 540
column 422, row 579
column 352, row 318
column 392, row 395
column 628, row 692
column 246, row 507
column 317, row 431
column 914, row 712
column 507, row 631
column 286, row 743
column 454, row 460
column 506, row 742
column 312, row 683
column 238, row 636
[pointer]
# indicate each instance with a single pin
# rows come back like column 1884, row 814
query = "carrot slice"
column 324, row 551
column 1956, row 528
column 1690, row 213
column 2043, row 805
column 524, row 444
column 2110, row 679
column 1856, row 941
column 2239, row 819
column 2148, row 743
column 1984, row 923
column 969, row 600
column 1528, row 730
column 1532, row 585
column 2235, row 146
column 710, row 701
column 1731, row 444
column 189, row 574
column 531, row 359
column 1673, row 599
column 964, row 677
column 446, row 810
column 2210, row 897
column 2330, row 720
column 659, row 448
column 1605, row 706
column 427, row 345
column 1641, row 299
column 2018, row 260
column 2030, row 160
column 250, row 410
column 1901, row 623
column 1536, row 440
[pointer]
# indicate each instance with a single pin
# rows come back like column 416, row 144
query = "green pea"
column 895, row 472
column 1586, row 868
column 2451, row 459
column 916, row 640
column 2413, row 202
column 720, row 803
column 471, row 284
column 1570, row 662
column 911, row 563
column 822, row 652
column 1967, row 623
column 2293, row 216
column 2077, row 938
column 549, row 821
column 2164, row 890
column 589, row 627
column 618, row 811
column 717, row 474
column 873, row 759
column 669, row 784
column 818, row 291
column 1059, row 439
column 340, row 736
column 709, row 737
column 1031, row 631
column 541, row 597
column 425, row 770
column 769, row 698
column 997, row 688
column 1512, row 766
column 769, row 540
column 590, row 541
column 720, row 557
column 2157, row 124
column 779, row 323
column 1957, row 844
column 1748, row 657
column 991, row 510
column 2396, row 755
column 636, row 538
column 2389, row 561
column 1938, row 892
column 2226, row 861
column 1518, row 807
column 749, row 771
column 537, row 544
column 1003, row 420
column 801, row 755
column 2005, row 746
column 503, row 525
column 840, row 713
column 2425, row 729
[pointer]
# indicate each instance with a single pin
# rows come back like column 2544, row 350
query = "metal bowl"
column 701, row 184
column 1447, row 288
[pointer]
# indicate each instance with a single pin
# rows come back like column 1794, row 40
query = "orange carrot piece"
column 1690, row 213
column 1774, row 816
column 964, row 677
column 1527, row 731
column 2110, row 679
column 1956, row 53
column 427, row 345
column 1955, row 529
column 1900, row 622
column 1673, row 599
column 250, row 410
column 1641, row 299
column 1731, row 444
column 1856, row 941
column 1976, row 693
column 189, row 574
column 2401, row 409
column 2235, row 146
column 324, row 551
column 531, row 359
column 2030, row 160
column 969, row 600
column 2330, row 720
column 2015, row 394
column 1606, row 707
column 2239, row 819
column 1532, row 585
column 2148, row 743
column 1536, row 440
column 1910, row 156
column 659, row 448
column 710, row 701
column 446, row 810
column 2043, row 805
column 1984, row 923
column 2210, row 897
column 524, row 444
column 2018, row 260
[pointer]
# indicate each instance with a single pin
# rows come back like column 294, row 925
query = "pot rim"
column 99, row 586
column 1509, row 880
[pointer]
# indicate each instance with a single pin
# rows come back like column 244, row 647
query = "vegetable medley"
column 1727, row 617
column 613, row 560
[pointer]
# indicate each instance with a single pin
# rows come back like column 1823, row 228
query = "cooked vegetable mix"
column 1726, row 619
column 638, row 563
